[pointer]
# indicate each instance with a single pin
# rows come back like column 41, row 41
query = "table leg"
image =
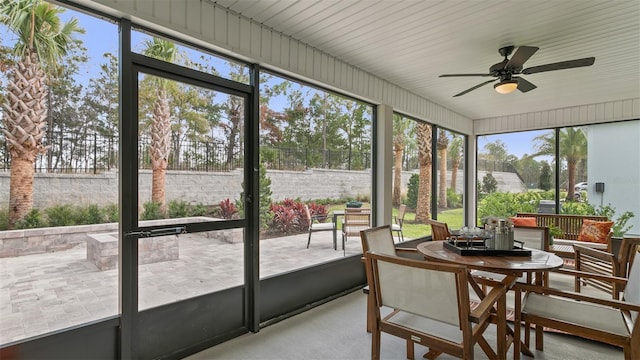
column 502, row 327
column 335, row 231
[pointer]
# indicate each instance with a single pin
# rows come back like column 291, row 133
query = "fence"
column 95, row 153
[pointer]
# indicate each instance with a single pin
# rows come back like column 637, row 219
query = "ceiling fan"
column 505, row 70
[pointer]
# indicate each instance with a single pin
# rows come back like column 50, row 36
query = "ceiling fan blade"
column 475, row 87
column 452, row 75
column 522, row 54
column 524, row 85
column 560, row 65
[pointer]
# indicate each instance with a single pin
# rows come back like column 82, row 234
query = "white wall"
column 614, row 159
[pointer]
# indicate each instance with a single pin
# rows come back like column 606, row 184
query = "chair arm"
column 603, row 255
column 483, row 310
column 317, row 218
column 618, row 304
column 587, row 275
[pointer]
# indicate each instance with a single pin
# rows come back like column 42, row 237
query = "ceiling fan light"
column 506, row 87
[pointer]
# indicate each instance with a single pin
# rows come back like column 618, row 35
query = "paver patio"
column 47, row 292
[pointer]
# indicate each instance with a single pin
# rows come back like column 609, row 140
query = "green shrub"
column 454, row 200
column 619, row 223
column 4, row 219
column 502, row 204
column 412, row 191
column 198, row 210
column 152, row 211
column 92, row 214
column 31, row 221
column 61, row 215
column 363, row 198
column 111, row 213
column 178, row 209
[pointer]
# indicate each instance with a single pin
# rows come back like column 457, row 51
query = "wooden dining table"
column 531, row 268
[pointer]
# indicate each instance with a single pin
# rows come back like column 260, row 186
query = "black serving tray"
column 461, row 248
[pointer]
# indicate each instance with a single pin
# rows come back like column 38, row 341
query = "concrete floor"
column 336, row 330
column 47, row 292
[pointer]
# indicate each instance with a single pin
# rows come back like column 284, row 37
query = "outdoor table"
column 513, row 267
column 336, row 214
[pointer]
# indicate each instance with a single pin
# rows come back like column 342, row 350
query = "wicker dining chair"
column 439, row 230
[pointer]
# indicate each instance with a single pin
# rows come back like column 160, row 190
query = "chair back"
column 307, row 212
column 632, row 289
column 626, row 254
column 356, row 220
column 439, row 230
column 427, row 289
column 379, row 240
column 533, row 237
column 401, row 211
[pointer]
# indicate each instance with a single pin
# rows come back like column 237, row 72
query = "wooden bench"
column 570, row 226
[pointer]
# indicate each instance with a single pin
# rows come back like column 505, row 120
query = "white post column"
column 471, row 180
column 383, row 176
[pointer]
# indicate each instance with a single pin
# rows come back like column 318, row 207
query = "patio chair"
column 430, row 303
column 399, row 220
column 613, row 322
column 614, row 263
column 380, row 240
column 315, row 225
column 439, row 230
column 355, row 220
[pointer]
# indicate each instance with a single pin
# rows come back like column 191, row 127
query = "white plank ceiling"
column 410, row 43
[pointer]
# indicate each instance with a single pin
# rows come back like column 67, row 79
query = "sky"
column 517, row 144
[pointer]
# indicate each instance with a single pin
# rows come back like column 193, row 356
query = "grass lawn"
column 411, row 230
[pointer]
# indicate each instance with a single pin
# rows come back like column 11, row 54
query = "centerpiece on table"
column 502, row 230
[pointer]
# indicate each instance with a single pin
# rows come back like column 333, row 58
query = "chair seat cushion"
column 321, row 226
column 426, row 325
column 579, row 313
column 570, row 243
column 395, row 227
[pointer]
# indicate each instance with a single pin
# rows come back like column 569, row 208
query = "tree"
column 496, row 151
column 42, row 41
column 161, row 125
column 400, row 126
column 442, row 145
column 529, row 170
column 545, row 176
column 423, row 207
column 573, row 150
column 456, row 148
column 489, row 183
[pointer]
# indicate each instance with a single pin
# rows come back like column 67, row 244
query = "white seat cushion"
column 395, row 227
column 588, row 315
column 594, row 245
column 321, row 226
column 429, row 326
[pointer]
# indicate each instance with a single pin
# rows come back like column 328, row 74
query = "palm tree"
column 455, row 151
column 442, row 145
column 41, row 42
column 573, row 150
column 161, row 125
column 400, row 126
column 423, row 207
